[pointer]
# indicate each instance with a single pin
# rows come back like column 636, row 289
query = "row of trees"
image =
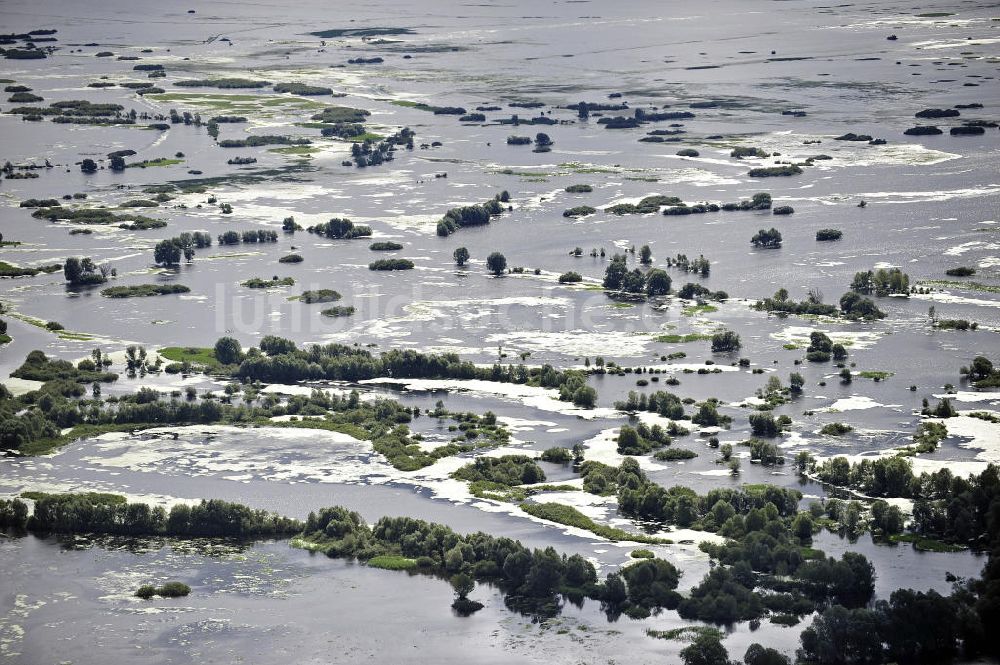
column 946, row 507
column 169, row 252
column 42, row 414
column 280, row 360
column 84, row 272
column 767, row 563
column 852, row 305
column 112, row 514
column 531, row 579
column 284, row 363
column 917, row 627
column 700, row 265
column 251, row 236
column 780, row 302
column 339, row 228
column 910, row 627
column 617, row 277
column 881, row 282
column 474, row 215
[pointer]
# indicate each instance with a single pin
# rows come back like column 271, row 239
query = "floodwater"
column 933, row 203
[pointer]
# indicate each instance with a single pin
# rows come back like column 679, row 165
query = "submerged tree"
column 496, row 263
column 767, row 238
column 726, row 340
column 657, row 282
column 167, row 253
column 81, row 272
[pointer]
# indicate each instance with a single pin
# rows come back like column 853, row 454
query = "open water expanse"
column 932, row 204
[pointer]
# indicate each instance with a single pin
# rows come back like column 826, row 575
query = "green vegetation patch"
column 144, row 290
column 199, row 356
column 535, row 175
column 694, row 310
column 237, row 104
column 45, row 446
column 338, row 311
column 129, row 221
column 92, row 498
column 302, row 89
column 686, row 633
column 923, row 544
column 300, row 150
column 168, row 590
column 337, row 115
column 258, row 283
column 674, row 454
column 774, row 171
column 579, row 211
column 222, row 83
column 52, row 326
column 408, row 104
column 162, row 161
column 8, row 270
column 579, row 167
column 487, row 489
column 391, row 264
column 318, row 296
column 392, row 562
column 682, row 339
column 875, row 375
column 570, row 516
column 967, row 286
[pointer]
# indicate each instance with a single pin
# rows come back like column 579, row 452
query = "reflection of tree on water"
column 208, row 547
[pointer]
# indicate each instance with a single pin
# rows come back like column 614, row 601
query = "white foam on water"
column 603, row 448
column 523, row 424
column 958, row 250
column 21, row 386
column 963, row 43
column 574, row 343
column 276, row 454
column 981, row 435
column 856, row 403
column 950, row 298
column 851, row 339
column 969, row 396
column 544, row 399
